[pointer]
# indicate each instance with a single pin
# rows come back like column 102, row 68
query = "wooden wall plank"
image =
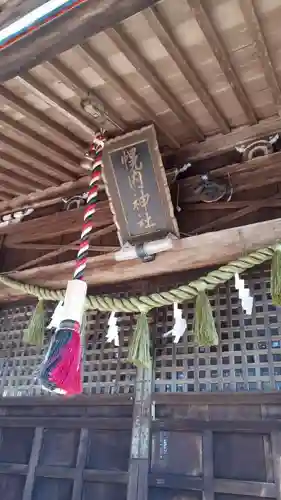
column 139, row 463
column 34, row 458
column 208, row 466
column 276, row 452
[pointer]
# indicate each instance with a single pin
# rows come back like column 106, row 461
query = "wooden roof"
column 207, row 73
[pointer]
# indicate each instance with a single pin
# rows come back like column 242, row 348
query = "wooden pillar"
column 139, row 460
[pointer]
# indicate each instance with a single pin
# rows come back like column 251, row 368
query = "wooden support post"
column 139, row 461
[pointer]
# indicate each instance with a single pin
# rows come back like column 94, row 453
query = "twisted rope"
column 146, row 303
column 90, row 208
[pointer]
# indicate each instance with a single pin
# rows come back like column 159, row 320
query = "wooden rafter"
column 5, row 196
column 65, row 32
column 136, row 102
column 44, row 143
column 249, row 9
column 202, row 16
column 126, row 44
column 42, row 90
column 39, row 117
column 13, row 164
column 14, row 188
column 17, row 178
column 70, row 78
column 55, row 169
column 161, row 28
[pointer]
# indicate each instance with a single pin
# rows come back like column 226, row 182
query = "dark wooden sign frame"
column 137, row 188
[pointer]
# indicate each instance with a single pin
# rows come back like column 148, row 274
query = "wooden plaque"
column 137, row 187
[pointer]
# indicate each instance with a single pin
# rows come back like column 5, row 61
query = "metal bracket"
column 145, row 251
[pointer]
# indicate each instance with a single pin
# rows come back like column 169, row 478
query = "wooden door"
column 75, row 450
column 216, row 447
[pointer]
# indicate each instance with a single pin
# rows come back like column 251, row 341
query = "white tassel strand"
column 180, row 325
column 113, row 331
column 244, row 295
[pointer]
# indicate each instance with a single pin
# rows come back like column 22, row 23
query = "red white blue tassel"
column 61, row 369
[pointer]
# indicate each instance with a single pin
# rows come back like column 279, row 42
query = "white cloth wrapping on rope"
column 113, row 330
column 244, row 295
column 57, row 317
column 180, row 325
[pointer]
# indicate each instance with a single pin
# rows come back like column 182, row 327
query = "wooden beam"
column 57, row 170
column 38, row 116
column 165, row 34
column 126, row 44
column 221, row 143
column 254, row 206
column 64, row 108
column 244, row 176
column 72, row 80
column 206, row 250
column 59, row 249
column 53, row 38
column 230, row 205
column 203, row 18
column 66, row 189
column 249, row 9
column 136, row 102
column 53, row 225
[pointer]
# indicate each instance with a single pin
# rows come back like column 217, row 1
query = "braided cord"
column 146, row 303
column 90, row 208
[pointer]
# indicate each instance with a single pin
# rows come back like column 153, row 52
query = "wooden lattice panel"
column 105, row 368
column 248, row 356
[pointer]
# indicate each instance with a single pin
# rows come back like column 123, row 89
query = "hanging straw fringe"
column 276, row 276
column 34, row 334
column 204, row 328
column 139, row 350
